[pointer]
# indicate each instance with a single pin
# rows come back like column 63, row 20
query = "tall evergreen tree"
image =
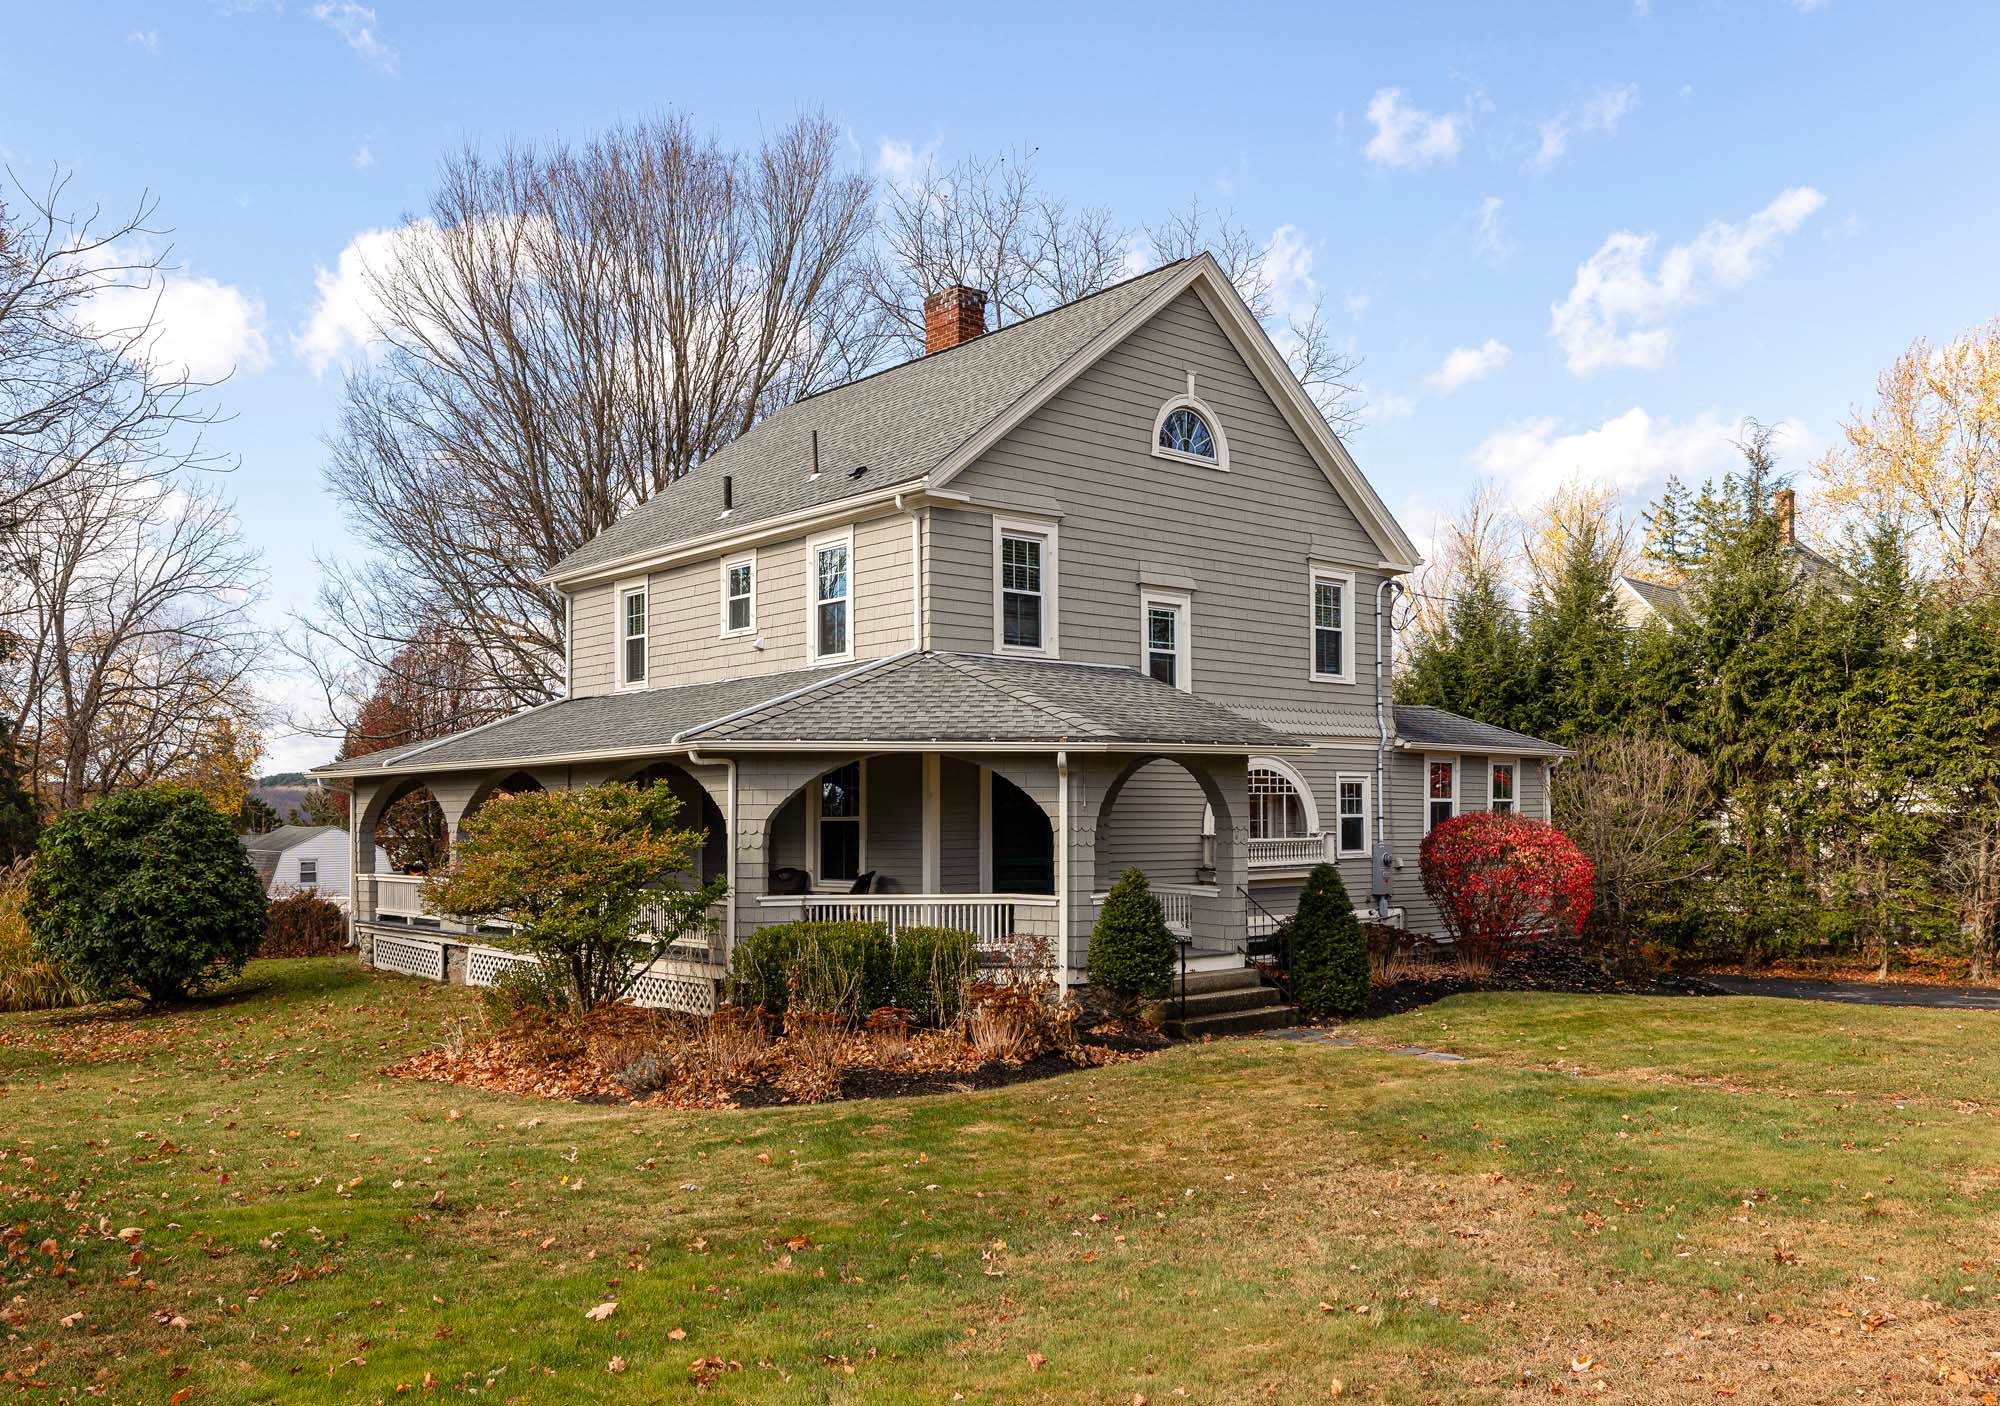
column 1578, row 643
column 1476, row 664
column 19, row 823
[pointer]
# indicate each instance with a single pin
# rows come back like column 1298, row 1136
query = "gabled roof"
column 950, row 699
column 285, row 837
column 898, row 424
column 1655, row 594
column 926, row 420
column 1419, row 726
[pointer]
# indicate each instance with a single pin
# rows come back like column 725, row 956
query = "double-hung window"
column 632, row 635
column 1024, row 587
column 739, row 595
column 1440, row 791
column 832, row 596
column 1163, row 625
column 1332, row 627
column 839, row 824
column 308, row 873
column 1353, row 817
column 1500, row 787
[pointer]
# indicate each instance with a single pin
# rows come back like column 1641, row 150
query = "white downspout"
column 1380, row 857
column 1062, row 874
column 729, row 852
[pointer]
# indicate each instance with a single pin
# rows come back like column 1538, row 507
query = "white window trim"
column 749, row 559
column 1430, row 760
column 1367, row 812
column 1219, row 462
column 1183, row 641
column 813, row 815
column 844, row 538
column 643, row 586
column 1051, row 609
column 303, row 862
column 1316, row 573
column 1514, row 762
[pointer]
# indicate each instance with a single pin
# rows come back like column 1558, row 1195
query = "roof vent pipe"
column 728, row 493
column 815, row 472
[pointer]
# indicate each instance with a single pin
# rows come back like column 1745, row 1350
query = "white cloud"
column 1618, row 311
column 1806, row 7
column 1380, row 407
column 1601, row 113
column 364, row 158
column 900, row 163
column 1464, row 365
column 147, row 39
column 1635, row 451
column 346, row 313
column 200, row 326
column 1409, row 137
column 355, row 24
column 1490, row 239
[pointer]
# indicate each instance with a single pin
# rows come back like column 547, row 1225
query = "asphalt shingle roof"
column 1434, row 727
column 1658, row 596
column 898, row 424
column 282, row 838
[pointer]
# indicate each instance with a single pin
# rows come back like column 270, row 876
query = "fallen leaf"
column 676, row 1334
column 1035, row 1361
column 601, row 1312
column 616, row 1366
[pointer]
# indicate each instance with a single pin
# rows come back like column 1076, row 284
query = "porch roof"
column 932, row 697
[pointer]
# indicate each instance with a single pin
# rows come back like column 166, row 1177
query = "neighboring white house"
column 305, row 857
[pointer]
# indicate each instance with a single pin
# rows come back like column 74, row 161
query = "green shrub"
column 1131, row 952
column 145, row 891
column 1329, row 950
column 303, row 925
column 525, row 988
column 831, row 966
column 929, row 969
column 27, row 982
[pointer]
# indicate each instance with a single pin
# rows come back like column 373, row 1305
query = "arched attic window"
column 1187, row 430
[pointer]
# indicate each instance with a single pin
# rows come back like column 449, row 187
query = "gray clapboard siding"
column 1245, row 537
column 591, row 651
column 1154, row 826
column 894, row 817
column 958, row 826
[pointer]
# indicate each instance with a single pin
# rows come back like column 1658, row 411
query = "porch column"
column 933, row 824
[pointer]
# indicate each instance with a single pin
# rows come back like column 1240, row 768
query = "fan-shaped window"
column 1185, row 432
column 1276, row 810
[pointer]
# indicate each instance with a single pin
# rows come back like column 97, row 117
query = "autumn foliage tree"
column 576, row 872
column 1501, row 880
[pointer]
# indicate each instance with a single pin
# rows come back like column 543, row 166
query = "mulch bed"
column 1545, row 967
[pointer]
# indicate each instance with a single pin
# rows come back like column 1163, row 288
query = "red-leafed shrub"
column 1501, row 880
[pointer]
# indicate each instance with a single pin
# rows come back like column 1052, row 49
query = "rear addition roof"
column 1419, row 726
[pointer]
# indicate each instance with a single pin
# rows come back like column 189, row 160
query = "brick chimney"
column 1785, row 507
column 953, row 315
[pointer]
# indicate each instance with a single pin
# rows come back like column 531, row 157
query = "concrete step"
column 1239, row 998
column 1243, row 1022
column 1232, row 979
column 1199, row 960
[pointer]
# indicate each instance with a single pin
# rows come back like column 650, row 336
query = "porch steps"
column 1220, row 1001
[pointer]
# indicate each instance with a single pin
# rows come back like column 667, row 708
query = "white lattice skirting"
column 665, row 985
column 410, row 956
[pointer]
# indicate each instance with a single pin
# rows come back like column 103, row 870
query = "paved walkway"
column 1862, row 993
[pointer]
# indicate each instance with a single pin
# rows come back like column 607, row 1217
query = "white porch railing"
column 397, row 897
column 1177, row 903
column 991, row 918
column 1290, row 851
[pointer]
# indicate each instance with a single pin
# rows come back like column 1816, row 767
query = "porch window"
column 739, row 608
column 1442, row 794
column 1020, row 591
column 840, row 824
column 1276, row 810
column 1330, row 595
column 1353, row 815
column 632, row 636
column 1164, row 623
column 832, row 591
column 1500, row 787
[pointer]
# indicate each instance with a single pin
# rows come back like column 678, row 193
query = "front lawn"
column 1622, row 1198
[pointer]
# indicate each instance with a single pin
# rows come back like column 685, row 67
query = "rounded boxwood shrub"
column 145, row 891
column 1329, row 951
column 929, row 969
column 1131, row 952
column 829, row 966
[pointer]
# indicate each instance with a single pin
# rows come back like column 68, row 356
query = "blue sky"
column 1579, row 239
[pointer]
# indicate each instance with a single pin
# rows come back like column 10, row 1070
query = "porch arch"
column 408, row 821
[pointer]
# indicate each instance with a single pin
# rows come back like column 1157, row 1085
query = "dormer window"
column 1188, row 431
column 1185, row 432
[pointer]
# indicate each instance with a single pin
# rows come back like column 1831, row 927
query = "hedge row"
column 855, row 968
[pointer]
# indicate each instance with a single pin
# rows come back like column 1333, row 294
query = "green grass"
column 1694, row 1195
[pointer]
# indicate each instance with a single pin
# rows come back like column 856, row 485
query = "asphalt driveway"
column 1861, row 993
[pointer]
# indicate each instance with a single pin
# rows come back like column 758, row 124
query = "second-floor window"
column 1163, row 621
column 832, row 583
column 1020, row 591
column 1500, row 787
column 632, row 636
column 1331, row 650
column 739, row 595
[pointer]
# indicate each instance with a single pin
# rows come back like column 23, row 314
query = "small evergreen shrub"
column 830, row 966
column 145, row 891
column 929, row 969
column 1131, row 952
column 303, row 925
column 1329, row 950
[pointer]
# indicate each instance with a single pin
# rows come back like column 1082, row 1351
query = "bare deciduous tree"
column 1634, row 805
column 567, row 331
column 74, row 392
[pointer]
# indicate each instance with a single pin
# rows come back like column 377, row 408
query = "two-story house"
column 961, row 641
